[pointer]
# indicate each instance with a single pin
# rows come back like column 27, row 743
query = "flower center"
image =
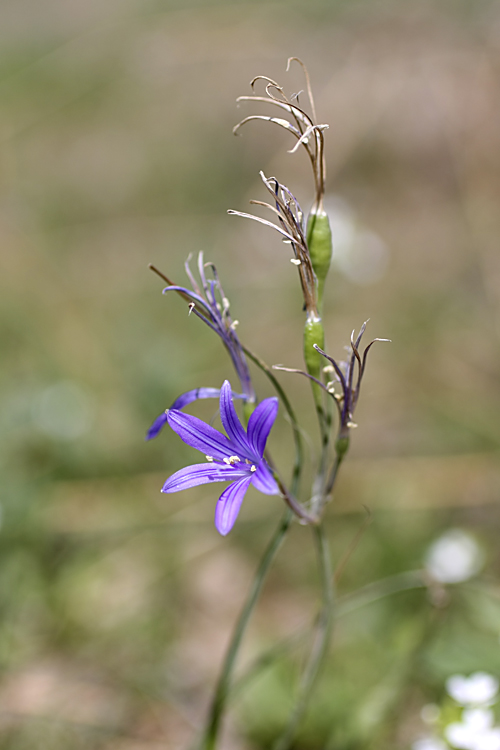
column 232, row 460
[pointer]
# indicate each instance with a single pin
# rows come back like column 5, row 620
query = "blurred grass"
column 116, row 151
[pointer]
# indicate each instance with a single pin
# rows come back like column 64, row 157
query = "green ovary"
column 314, row 334
column 319, row 241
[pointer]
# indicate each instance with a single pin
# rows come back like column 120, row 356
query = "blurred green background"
column 117, row 151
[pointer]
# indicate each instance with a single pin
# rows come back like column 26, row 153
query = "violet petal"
column 260, row 423
column 232, row 424
column 192, row 476
column 264, row 481
column 229, row 504
column 187, row 398
column 183, row 400
column 199, row 435
column 157, row 426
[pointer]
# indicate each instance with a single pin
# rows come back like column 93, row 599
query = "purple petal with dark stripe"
column 187, row 398
column 229, row 504
column 183, row 400
column 260, row 423
column 232, row 424
column 199, row 435
column 192, row 476
column 157, row 426
column 264, row 481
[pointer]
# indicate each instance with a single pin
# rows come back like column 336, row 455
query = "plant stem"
column 299, row 452
column 322, row 496
column 292, row 503
column 320, row 644
column 366, row 595
column 333, row 474
column 209, row 738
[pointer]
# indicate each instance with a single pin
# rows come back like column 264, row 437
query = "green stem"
column 297, row 437
column 320, row 644
column 334, row 473
column 391, row 692
column 268, row 657
column 209, row 738
column 325, row 488
column 372, row 592
column 319, row 490
column 292, row 503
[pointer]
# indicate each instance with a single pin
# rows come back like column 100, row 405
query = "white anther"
column 352, row 424
column 234, row 459
column 227, row 461
column 209, row 459
column 191, row 307
column 295, row 261
column 328, row 368
column 225, row 303
column 234, row 324
column 253, row 468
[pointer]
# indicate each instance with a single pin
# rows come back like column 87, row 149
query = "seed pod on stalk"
column 312, row 248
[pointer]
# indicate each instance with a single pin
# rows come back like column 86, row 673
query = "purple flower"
column 210, row 304
column 237, row 458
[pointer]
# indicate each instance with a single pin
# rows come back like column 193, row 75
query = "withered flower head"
column 348, row 375
column 209, row 303
column 292, row 229
column 303, row 126
column 345, row 383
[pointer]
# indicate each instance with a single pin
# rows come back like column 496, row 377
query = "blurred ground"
column 116, row 151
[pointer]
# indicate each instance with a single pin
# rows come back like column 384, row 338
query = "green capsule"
column 314, row 334
column 319, row 241
column 342, row 446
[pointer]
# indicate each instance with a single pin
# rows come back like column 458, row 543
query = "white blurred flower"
column 360, row 254
column 474, row 732
column 478, row 718
column 480, row 689
column 429, row 743
column 454, row 557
